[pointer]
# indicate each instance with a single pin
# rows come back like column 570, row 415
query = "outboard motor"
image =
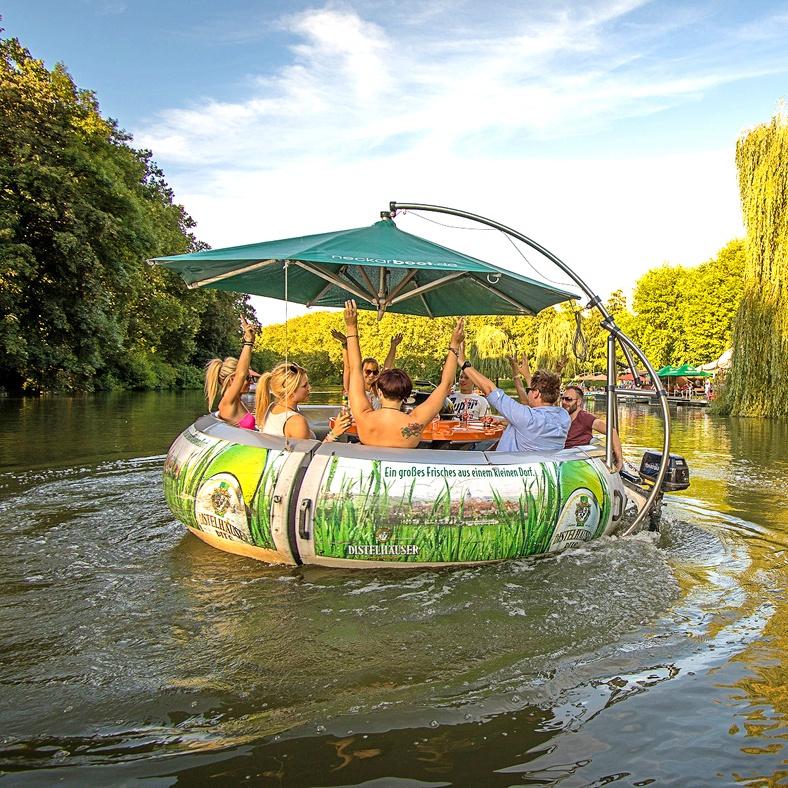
column 676, row 478
column 676, row 475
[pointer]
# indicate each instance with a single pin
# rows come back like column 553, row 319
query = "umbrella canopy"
column 380, row 266
column 668, row 372
column 601, row 377
column 628, row 375
column 688, row 371
column 723, row 362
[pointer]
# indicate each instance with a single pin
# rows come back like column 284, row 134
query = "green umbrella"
column 380, row 266
column 668, row 372
column 688, row 371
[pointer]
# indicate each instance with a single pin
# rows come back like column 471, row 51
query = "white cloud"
column 441, row 103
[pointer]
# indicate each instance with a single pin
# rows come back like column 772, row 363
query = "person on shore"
column 584, row 423
column 279, row 393
column 466, row 404
column 370, row 368
column 390, row 425
column 539, row 424
column 229, row 379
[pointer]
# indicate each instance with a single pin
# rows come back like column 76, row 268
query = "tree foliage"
column 80, row 212
column 759, row 374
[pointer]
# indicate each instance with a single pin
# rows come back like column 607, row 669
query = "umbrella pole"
column 608, row 323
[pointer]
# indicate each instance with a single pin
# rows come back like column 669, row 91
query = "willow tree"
column 758, row 381
column 490, row 348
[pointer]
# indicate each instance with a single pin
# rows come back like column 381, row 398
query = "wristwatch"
column 466, row 364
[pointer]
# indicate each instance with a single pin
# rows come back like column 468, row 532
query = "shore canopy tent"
column 668, row 372
column 381, row 266
column 688, row 371
column 723, row 362
column 642, row 375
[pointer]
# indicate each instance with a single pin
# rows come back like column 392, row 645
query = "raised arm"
column 342, row 339
column 478, row 380
column 432, row 405
column 233, row 391
column 521, row 376
column 392, row 354
column 356, row 395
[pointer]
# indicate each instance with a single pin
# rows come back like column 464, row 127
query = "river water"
column 131, row 650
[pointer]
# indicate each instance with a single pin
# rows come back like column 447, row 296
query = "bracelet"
column 247, row 344
column 347, row 336
column 455, row 351
column 466, row 365
column 330, row 437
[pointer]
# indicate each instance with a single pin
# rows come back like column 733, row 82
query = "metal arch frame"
column 614, row 334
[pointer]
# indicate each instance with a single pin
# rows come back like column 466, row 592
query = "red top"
column 580, row 430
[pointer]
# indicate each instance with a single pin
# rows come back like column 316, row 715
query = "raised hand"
column 520, row 366
column 339, row 336
column 395, row 340
column 249, row 329
column 351, row 315
column 458, row 335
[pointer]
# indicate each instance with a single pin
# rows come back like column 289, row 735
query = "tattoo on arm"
column 412, row 429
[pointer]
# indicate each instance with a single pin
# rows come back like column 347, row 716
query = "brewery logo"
column 577, row 521
column 220, row 499
column 383, row 534
column 582, row 510
column 220, row 510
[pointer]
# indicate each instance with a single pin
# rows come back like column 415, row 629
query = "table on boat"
column 448, row 431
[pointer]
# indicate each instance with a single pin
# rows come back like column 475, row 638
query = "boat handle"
column 303, row 511
column 618, row 505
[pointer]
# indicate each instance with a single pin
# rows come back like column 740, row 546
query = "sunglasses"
column 295, row 369
column 568, row 399
column 371, row 371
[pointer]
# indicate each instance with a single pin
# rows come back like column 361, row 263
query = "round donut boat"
column 349, row 505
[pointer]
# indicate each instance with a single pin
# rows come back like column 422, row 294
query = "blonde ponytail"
column 279, row 384
column 218, row 374
column 262, row 398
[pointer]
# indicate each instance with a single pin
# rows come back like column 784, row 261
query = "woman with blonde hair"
column 229, row 379
column 279, row 393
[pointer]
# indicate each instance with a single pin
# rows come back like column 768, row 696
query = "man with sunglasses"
column 585, row 423
column 540, row 424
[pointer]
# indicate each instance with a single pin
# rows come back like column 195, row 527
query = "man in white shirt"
column 468, row 405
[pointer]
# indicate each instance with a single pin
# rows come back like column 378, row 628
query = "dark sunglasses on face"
column 568, row 399
column 371, row 371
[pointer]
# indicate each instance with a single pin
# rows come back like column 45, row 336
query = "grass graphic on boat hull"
column 367, row 511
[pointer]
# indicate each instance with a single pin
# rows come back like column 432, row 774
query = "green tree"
column 80, row 212
column 759, row 374
column 714, row 291
column 658, row 325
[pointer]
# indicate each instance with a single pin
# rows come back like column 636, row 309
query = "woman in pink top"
column 229, row 379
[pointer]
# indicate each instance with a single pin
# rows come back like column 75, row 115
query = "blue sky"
column 605, row 130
